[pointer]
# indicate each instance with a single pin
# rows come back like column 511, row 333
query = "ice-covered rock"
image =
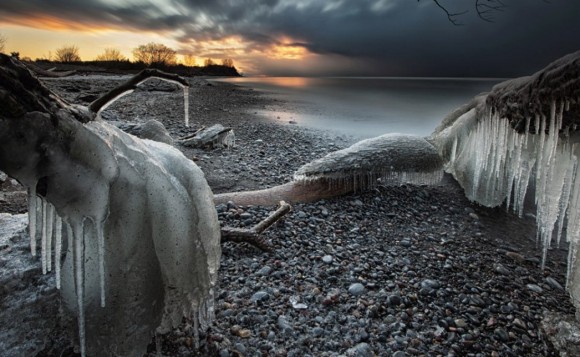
column 521, row 140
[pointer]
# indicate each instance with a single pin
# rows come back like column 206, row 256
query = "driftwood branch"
column 46, row 73
column 252, row 235
column 132, row 84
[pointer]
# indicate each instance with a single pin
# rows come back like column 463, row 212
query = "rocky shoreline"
column 392, row 272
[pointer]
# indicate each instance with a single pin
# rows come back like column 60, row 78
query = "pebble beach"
column 395, row 271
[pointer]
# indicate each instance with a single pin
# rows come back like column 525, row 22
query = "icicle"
column 101, row 251
column 79, row 280
column 43, row 236
column 453, row 151
column 571, row 261
column 186, row 104
column 32, row 218
column 57, row 249
column 565, row 199
column 49, row 231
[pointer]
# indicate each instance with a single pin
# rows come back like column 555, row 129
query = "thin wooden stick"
column 252, row 235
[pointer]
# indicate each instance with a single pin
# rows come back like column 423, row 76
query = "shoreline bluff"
column 408, row 269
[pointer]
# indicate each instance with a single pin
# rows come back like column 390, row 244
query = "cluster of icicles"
column 362, row 181
column 498, row 164
column 51, row 224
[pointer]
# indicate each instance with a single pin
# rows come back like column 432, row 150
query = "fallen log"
column 293, row 192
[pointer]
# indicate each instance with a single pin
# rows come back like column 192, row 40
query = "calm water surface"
column 365, row 107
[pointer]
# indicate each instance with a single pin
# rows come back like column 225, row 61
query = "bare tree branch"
column 487, row 8
column 451, row 16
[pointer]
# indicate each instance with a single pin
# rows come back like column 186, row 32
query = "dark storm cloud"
column 380, row 37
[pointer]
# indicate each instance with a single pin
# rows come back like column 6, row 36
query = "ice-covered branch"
column 391, row 159
column 108, row 98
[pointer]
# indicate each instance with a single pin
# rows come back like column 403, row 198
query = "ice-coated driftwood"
column 215, row 136
column 141, row 231
column 391, row 159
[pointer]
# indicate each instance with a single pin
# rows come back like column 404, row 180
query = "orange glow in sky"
column 38, row 37
column 287, row 50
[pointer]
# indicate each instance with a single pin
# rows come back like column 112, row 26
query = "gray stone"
column 284, row 325
column 356, row 289
column 498, row 268
column 264, row 271
column 430, row 284
column 318, row 331
column 260, row 296
column 406, row 243
column 535, row 288
column 553, row 283
column 361, row 350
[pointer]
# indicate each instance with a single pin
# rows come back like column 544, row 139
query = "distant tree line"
column 155, row 55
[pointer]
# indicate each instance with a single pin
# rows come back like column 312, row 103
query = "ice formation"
column 520, row 141
column 393, row 158
column 135, row 81
column 141, row 228
column 186, row 104
column 141, row 217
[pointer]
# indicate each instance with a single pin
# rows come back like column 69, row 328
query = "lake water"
column 366, row 107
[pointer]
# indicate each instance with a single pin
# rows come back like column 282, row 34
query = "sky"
column 309, row 37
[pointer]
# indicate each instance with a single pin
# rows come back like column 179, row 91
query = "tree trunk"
column 293, row 192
